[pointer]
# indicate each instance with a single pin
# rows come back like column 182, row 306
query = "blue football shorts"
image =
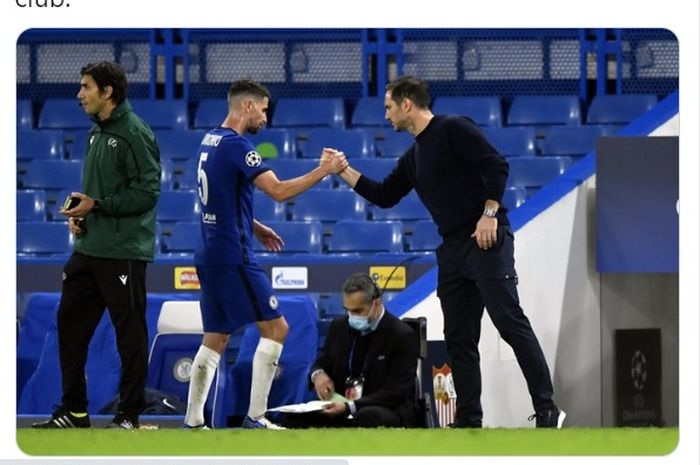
column 234, row 295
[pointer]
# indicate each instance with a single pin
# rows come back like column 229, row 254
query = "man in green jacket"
column 114, row 222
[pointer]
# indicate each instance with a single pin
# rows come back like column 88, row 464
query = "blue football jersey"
column 228, row 164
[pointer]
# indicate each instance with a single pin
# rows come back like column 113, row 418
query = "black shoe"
column 63, row 418
column 122, row 421
column 551, row 418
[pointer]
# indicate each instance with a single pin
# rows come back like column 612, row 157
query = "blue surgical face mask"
column 360, row 322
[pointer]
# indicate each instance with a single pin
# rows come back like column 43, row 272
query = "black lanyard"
column 365, row 363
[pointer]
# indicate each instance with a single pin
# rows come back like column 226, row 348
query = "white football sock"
column 267, row 354
column 201, row 375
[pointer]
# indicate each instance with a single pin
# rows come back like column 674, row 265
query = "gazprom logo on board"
column 296, row 277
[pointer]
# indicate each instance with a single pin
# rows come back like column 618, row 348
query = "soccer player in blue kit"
column 235, row 289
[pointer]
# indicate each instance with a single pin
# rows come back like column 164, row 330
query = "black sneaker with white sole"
column 550, row 418
column 122, row 421
column 63, row 418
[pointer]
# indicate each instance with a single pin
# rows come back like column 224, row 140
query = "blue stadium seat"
column 42, row 390
column 328, row 205
column 288, row 169
column 366, row 237
column 54, row 205
column 373, row 168
column 167, row 175
column 31, row 205
column 298, row 237
column 44, row 238
column 274, row 143
column 513, row 141
column 266, row 209
column 174, row 206
column 513, row 197
column 410, row 208
column 545, row 110
column 369, row 112
column 484, row 111
column 77, row 143
column 178, row 144
column 63, row 113
column 571, row 141
column 183, row 238
column 33, row 145
column 309, row 112
column 210, row 113
column 425, row 237
column 161, row 114
column 536, row 172
column 356, row 143
column 619, row 109
column 53, row 174
column 394, row 144
column 185, row 174
column 25, row 115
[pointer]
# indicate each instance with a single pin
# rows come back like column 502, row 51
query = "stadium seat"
column 178, row 144
column 31, row 205
column 210, row 113
column 167, row 175
column 619, row 109
column 571, row 141
column 174, row 206
column 394, row 144
column 274, row 143
column 425, row 237
column 53, row 174
column 328, row 205
column 185, row 174
column 536, row 172
column 484, row 111
column 512, row 141
column 53, row 207
column 161, row 114
column 356, row 143
column 366, row 237
column 43, row 238
column 410, row 208
column 288, row 169
column 77, row 143
column 266, row 209
column 183, row 238
column 513, row 197
column 298, row 237
column 545, row 110
column 42, row 390
column 309, row 112
column 63, row 113
column 25, row 115
column 370, row 112
column 33, row 145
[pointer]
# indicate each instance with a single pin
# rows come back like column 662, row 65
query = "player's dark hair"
column 412, row 88
column 361, row 282
column 248, row 87
column 106, row 73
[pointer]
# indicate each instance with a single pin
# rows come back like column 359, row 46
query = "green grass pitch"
column 350, row 442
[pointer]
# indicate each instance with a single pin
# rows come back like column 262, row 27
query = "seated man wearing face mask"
column 370, row 358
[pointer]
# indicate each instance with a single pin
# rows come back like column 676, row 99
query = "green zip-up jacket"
column 122, row 171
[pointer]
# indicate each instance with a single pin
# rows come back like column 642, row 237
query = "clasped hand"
column 334, row 160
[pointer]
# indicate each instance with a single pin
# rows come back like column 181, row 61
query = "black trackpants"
column 470, row 278
column 89, row 285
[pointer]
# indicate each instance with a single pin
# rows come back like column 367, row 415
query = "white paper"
column 313, row 406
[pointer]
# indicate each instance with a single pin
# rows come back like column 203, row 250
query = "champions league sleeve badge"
column 252, row 159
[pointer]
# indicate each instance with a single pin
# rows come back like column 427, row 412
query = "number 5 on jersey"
column 203, row 184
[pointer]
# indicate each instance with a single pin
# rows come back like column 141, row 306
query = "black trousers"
column 470, row 278
column 374, row 416
column 89, row 285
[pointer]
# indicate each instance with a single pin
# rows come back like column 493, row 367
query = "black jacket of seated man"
column 387, row 359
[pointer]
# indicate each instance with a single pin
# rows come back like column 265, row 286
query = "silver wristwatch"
column 490, row 212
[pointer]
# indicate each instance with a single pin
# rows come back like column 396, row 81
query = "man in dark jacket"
column 370, row 358
column 114, row 222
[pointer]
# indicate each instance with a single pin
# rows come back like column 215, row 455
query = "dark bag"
column 157, row 403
